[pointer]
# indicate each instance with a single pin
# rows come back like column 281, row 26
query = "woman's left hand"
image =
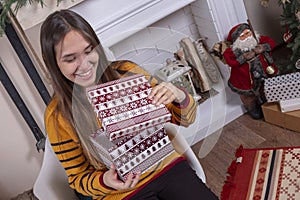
column 165, row 93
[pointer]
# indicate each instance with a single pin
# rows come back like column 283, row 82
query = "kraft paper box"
column 273, row 115
column 134, row 153
column 282, row 87
column 123, row 108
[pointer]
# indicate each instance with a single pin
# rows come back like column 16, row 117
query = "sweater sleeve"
column 82, row 176
column 183, row 114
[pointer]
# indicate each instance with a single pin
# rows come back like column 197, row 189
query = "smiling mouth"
column 85, row 74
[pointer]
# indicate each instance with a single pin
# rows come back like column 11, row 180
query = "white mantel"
column 115, row 20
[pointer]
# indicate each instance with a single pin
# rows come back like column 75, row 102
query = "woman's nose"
column 81, row 60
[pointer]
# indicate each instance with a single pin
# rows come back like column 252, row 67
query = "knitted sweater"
column 83, row 177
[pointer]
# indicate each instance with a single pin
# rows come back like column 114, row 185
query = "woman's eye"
column 89, row 50
column 69, row 60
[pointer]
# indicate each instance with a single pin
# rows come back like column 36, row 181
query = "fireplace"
column 148, row 32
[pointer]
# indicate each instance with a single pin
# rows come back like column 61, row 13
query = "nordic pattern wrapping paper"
column 123, row 108
column 135, row 153
column 282, row 87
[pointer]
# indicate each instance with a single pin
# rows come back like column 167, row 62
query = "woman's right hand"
column 110, row 179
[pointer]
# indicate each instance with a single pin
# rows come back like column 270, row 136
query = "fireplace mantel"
column 115, row 23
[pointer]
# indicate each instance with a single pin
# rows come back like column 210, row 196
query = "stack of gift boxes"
column 132, row 136
column 283, row 101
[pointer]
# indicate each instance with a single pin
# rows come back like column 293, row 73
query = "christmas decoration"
column 177, row 73
column 288, row 36
column 297, row 65
column 290, row 18
column 250, row 60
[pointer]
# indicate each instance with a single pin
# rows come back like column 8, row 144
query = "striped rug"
column 269, row 174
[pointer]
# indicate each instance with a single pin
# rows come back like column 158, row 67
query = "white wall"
column 20, row 161
column 266, row 20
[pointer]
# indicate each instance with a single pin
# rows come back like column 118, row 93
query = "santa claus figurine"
column 251, row 62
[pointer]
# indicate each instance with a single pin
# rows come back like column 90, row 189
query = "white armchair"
column 181, row 146
column 52, row 181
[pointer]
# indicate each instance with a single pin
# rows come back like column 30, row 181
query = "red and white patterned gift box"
column 134, row 154
column 123, row 106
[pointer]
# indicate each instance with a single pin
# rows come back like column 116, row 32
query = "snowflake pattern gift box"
column 134, row 153
column 123, row 106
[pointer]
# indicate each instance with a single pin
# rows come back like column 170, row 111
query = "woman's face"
column 76, row 59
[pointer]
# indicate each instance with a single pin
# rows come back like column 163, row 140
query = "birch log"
column 200, row 78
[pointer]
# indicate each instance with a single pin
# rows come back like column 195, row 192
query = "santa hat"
column 236, row 31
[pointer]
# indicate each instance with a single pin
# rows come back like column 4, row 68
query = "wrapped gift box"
column 134, row 153
column 273, row 115
column 289, row 105
column 123, row 108
column 282, row 87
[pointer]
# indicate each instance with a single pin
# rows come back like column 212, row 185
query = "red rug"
column 264, row 174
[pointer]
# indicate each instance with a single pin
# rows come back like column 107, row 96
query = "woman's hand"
column 110, row 179
column 165, row 93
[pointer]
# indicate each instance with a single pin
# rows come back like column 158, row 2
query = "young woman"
column 75, row 60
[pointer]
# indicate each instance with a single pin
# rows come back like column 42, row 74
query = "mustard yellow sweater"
column 83, row 177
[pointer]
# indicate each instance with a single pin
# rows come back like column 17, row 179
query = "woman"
column 75, row 60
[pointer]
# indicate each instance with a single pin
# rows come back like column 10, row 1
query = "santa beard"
column 245, row 45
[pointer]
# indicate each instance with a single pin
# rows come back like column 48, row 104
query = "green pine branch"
column 289, row 20
column 8, row 7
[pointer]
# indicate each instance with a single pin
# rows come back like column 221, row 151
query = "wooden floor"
column 216, row 152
